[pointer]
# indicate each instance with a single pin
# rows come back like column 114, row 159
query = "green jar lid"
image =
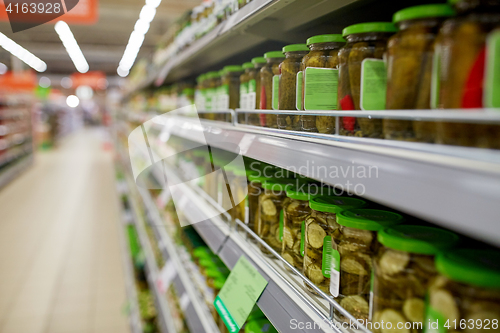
column 247, row 65
column 232, row 68
column 219, row 282
column 202, row 252
column 201, row 78
column 212, row 75
column 369, row 27
column 331, row 204
column 417, row 239
column 259, row 60
column 274, row 54
column 423, row 11
column 210, row 262
column 476, row 267
column 278, row 185
column 222, row 72
column 188, row 91
column 333, row 38
column 305, row 193
column 260, row 326
column 212, row 272
column 368, row 219
column 295, row 47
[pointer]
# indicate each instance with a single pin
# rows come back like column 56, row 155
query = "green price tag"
column 282, row 216
column 239, row 294
column 276, row 90
column 492, row 72
column 320, row 91
column 298, row 92
column 302, row 237
column 373, row 84
column 327, row 256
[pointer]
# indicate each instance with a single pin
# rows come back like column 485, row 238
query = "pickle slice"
column 413, row 309
column 315, row 274
column 288, row 257
column 288, row 237
column 315, row 235
column 393, row 262
column 296, row 247
column 355, row 305
column 425, row 263
column 268, row 207
column 313, row 254
column 352, row 266
column 443, row 301
column 365, row 236
column 394, row 317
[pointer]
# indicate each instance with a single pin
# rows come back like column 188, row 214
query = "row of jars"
column 377, row 268
column 430, row 56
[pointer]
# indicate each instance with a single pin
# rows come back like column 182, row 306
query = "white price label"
column 184, row 301
column 166, row 276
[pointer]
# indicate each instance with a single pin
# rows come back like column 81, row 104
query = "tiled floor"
column 60, row 261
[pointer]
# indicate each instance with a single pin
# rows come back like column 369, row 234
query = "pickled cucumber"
column 394, row 317
column 315, row 235
column 393, row 262
column 443, row 301
column 356, row 305
column 413, row 309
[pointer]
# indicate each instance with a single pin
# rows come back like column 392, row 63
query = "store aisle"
column 60, row 261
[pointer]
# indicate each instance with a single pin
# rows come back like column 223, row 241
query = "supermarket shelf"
column 166, row 321
column 449, row 186
column 135, row 317
column 11, row 172
column 197, row 314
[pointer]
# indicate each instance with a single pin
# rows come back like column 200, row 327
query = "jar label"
column 335, row 273
column 327, row 256
column 492, row 72
column 302, row 237
column 252, row 95
column 298, row 91
column 320, row 88
column 282, row 216
column 223, row 98
column 276, row 89
column 244, row 95
column 435, row 77
column 373, row 84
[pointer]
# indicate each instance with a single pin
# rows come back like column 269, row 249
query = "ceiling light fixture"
column 136, row 39
column 20, row 52
column 71, row 46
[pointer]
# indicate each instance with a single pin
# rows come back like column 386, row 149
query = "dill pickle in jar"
column 461, row 56
column 355, row 248
column 362, row 76
column 244, row 79
column 320, row 234
column 320, row 81
column 288, row 95
column 465, row 296
column 402, row 271
column 410, row 55
column 254, row 91
column 269, row 87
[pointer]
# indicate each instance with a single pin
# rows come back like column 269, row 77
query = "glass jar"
column 254, row 90
column 356, row 246
column 199, row 97
column 269, row 83
column 254, row 191
column 410, row 55
column 321, row 230
column 461, row 57
column 319, row 90
column 213, row 84
column 239, row 191
column 270, row 221
column 229, row 97
column 466, row 292
column 402, row 270
column 363, row 53
column 295, row 210
column 244, row 79
column 288, row 85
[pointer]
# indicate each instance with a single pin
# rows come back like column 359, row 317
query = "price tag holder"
column 239, row 294
column 166, row 276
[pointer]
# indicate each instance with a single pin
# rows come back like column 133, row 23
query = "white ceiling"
column 103, row 43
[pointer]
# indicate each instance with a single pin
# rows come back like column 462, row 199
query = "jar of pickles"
column 356, row 246
column 255, row 189
column 295, row 210
column 362, row 76
column 321, row 231
column 465, row 296
column 199, row 98
column 254, row 90
column 288, row 92
column 230, row 89
column 461, row 55
column 213, row 83
column 244, row 78
column 403, row 269
column 269, row 91
column 239, row 191
column 320, row 80
column 410, row 55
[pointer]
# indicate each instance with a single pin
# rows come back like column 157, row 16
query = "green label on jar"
column 302, row 237
column 282, row 216
column 373, row 84
column 243, row 95
column 327, row 256
column 298, row 92
column 276, row 90
column 223, row 98
column 252, row 86
column 492, row 72
column 434, row 321
column 252, row 95
column 335, row 273
column 435, row 81
column 209, row 100
column 320, row 90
